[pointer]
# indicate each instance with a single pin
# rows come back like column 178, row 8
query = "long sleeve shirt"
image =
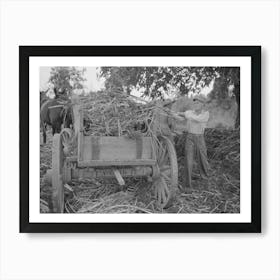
column 196, row 123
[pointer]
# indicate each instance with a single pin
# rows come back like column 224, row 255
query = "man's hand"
column 181, row 114
column 178, row 116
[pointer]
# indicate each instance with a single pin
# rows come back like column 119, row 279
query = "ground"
column 220, row 194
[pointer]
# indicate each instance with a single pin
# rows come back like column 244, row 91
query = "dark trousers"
column 195, row 147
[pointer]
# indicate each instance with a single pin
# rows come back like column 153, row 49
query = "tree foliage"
column 226, row 76
column 66, row 79
column 155, row 81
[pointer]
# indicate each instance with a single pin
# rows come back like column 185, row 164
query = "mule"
column 54, row 113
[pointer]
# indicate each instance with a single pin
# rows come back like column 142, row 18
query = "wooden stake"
column 119, row 177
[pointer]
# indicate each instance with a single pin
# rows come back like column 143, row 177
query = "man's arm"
column 202, row 117
column 178, row 116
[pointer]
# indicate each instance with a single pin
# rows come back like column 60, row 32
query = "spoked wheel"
column 167, row 179
column 57, row 167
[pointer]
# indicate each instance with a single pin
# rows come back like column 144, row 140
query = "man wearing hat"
column 195, row 144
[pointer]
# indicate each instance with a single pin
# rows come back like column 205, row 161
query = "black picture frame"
column 25, row 52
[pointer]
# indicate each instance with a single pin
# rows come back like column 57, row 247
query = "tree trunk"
column 237, row 96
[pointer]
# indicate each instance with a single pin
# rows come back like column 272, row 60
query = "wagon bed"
column 112, row 157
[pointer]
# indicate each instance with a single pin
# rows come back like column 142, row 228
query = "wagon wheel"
column 57, row 167
column 167, row 179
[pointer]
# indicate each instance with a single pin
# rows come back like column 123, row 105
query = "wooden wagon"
column 112, row 157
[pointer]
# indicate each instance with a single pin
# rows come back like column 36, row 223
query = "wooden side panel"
column 87, row 150
column 95, row 147
column 116, row 148
column 139, row 148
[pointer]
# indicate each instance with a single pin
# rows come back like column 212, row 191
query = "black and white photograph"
column 139, row 139
column 129, row 136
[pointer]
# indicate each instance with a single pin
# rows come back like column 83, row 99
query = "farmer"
column 195, row 144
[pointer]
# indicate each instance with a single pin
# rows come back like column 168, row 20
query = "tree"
column 227, row 76
column 125, row 78
column 66, row 79
column 159, row 80
column 155, row 81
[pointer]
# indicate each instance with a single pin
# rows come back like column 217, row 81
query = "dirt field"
column 221, row 194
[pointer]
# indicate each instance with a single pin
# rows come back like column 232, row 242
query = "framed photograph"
column 140, row 139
